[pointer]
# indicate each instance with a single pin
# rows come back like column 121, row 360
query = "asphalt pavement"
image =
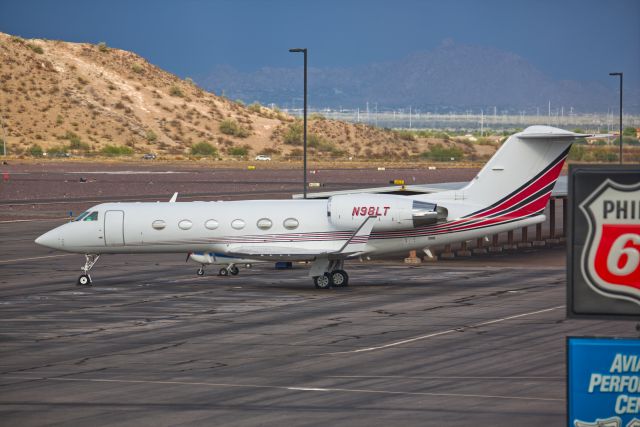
column 456, row 343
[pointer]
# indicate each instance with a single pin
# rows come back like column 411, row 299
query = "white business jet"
column 511, row 191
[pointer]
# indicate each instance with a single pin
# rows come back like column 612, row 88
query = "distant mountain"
column 450, row 76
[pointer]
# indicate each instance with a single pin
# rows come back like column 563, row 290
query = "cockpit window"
column 82, row 215
column 93, row 216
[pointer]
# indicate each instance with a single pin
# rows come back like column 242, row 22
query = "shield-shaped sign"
column 611, row 257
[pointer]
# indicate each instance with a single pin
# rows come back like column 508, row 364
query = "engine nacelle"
column 391, row 212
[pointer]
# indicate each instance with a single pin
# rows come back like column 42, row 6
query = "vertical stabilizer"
column 526, row 165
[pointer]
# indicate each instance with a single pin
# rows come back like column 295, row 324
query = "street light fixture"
column 304, row 50
column 620, row 74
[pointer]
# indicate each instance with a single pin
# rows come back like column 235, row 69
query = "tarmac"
column 479, row 341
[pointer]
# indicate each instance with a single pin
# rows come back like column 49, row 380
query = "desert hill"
column 87, row 98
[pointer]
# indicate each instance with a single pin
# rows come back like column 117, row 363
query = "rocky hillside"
column 86, row 98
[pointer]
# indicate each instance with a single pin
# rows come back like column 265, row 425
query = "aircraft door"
column 114, row 228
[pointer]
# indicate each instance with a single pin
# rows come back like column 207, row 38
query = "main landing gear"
column 225, row 271
column 335, row 276
column 85, row 278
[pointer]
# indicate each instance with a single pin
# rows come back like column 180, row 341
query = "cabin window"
column 93, row 216
column 238, row 224
column 158, row 224
column 264, row 223
column 185, row 224
column 82, row 215
column 290, row 223
column 211, row 224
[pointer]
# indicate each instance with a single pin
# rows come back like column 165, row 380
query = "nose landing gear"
column 85, row 278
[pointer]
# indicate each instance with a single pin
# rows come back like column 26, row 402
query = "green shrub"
column 406, row 135
column 37, row 49
column 604, row 154
column 75, row 143
column 441, row 153
column 238, row 151
column 116, row 150
column 294, row 133
column 137, row 69
column 321, row 144
column 240, row 102
column 255, row 107
column 176, row 91
column 577, row 152
column 2, row 146
column 317, row 116
column 629, row 131
column 35, row 150
column 231, row 127
column 57, row 151
column 203, row 149
column 151, row 136
column 102, row 47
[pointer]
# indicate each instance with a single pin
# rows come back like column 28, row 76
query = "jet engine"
column 391, row 212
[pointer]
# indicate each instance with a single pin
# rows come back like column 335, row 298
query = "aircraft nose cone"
column 49, row 239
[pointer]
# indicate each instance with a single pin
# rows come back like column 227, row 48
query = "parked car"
column 263, row 157
column 149, row 156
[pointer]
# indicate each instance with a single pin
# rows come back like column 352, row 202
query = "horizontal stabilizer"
column 547, row 132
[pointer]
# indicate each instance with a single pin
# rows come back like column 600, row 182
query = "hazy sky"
column 573, row 39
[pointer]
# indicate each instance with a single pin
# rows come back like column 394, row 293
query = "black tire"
column 323, row 282
column 234, row 270
column 200, row 272
column 223, row 272
column 84, row 280
column 340, row 278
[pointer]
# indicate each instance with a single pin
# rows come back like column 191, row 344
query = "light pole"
column 620, row 74
column 304, row 50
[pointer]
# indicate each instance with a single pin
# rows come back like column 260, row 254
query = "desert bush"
column 294, row 134
column 238, row 151
column 231, row 127
column 102, row 47
column 321, row 144
column 176, row 91
column 204, row 149
column 37, row 49
column 629, row 131
column 255, row 107
column 82, row 80
column 137, row 69
column 577, row 152
column 75, row 143
column 406, row 135
column 35, row 150
column 317, row 116
column 116, row 150
column 151, row 136
column 442, row 153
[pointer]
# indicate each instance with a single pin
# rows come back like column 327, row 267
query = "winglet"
column 174, row 197
column 359, row 239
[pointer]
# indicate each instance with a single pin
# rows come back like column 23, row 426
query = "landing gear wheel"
column 223, row 272
column 234, row 270
column 340, row 278
column 323, row 282
column 84, row 280
column 200, row 271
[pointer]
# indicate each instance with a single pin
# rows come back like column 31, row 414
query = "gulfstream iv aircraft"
column 511, row 191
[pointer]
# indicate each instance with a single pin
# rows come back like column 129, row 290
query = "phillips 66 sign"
column 604, row 244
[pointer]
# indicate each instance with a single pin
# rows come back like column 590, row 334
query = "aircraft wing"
column 353, row 245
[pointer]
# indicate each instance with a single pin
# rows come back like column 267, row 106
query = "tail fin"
column 526, row 167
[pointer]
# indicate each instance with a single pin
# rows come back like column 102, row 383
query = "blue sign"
column 603, row 382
